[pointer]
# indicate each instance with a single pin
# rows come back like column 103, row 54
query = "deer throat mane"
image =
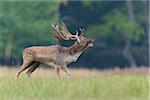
column 74, row 49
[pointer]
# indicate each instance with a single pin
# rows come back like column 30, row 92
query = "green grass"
column 123, row 87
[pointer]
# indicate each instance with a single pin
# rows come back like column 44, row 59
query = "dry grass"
column 48, row 73
column 85, row 84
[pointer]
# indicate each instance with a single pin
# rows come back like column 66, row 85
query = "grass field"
column 116, row 84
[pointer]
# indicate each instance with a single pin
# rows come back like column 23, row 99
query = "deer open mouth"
column 91, row 43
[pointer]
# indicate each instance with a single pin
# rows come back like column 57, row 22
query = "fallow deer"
column 55, row 55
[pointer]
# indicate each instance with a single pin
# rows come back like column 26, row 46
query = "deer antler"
column 61, row 33
column 66, row 33
column 82, row 30
column 57, row 33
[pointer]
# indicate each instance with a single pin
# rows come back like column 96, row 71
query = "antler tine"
column 55, row 26
column 77, row 33
column 57, row 33
column 64, row 29
column 63, row 24
column 77, row 36
column 82, row 30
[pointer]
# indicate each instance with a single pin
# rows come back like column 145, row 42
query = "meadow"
column 84, row 84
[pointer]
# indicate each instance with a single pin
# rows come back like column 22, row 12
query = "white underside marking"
column 72, row 58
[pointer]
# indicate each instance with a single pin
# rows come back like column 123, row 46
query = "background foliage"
column 120, row 29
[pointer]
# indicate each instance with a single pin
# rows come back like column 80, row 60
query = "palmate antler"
column 61, row 33
column 57, row 33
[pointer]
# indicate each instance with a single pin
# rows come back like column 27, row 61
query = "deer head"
column 85, row 42
column 61, row 33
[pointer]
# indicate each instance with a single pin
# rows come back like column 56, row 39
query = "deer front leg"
column 58, row 71
column 56, row 66
column 66, row 70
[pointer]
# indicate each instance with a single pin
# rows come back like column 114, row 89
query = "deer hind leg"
column 66, row 70
column 26, row 64
column 32, row 68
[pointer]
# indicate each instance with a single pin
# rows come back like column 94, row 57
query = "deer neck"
column 74, row 49
column 72, row 53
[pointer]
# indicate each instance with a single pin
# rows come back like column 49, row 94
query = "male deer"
column 55, row 55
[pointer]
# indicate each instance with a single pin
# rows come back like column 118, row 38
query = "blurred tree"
column 110, row 24
column 118, row 22
column 127, row 49
column 23, row 24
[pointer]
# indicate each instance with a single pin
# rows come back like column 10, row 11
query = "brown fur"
column 55, row 55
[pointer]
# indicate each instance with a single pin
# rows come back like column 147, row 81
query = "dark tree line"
column 120, row 30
